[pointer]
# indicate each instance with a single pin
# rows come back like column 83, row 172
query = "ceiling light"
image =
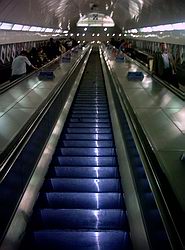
column 6, row 26
column 33, row 28
column 49, row 30
column 17, row 27
column 25, row 28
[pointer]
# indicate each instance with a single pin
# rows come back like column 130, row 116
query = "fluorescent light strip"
column 17, row 27
column 26, row 28
column 21, row 27
column 6, row 26
column 165, row 27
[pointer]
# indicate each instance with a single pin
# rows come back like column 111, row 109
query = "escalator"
column 81, row 203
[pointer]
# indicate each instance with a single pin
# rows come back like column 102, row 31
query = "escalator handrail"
column 14, row 149
column 169, row 207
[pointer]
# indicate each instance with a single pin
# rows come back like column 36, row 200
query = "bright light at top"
column 85, row 29
column 105, row 29
column 95, row 20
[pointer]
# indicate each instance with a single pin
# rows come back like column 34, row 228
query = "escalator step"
column 84, row 105
column 81, row 185
column 87, row 144
column 94, row 108
column 90, row 120
column 108, row 161
column 81, row 200
column 83, row 172
column 89, row 111
column 87, row 137
column 89, row 130
column 107, row 219
column 90, row 102
column 90, row 115
column 66, row 240
column 85, row 151
column 88, row 125
column 144, row 185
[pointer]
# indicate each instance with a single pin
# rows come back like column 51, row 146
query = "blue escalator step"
column 81, row 185
column 87, row 136
column 140, row 172
column 90, row 120
column 86, row 151
column 148, row 200
column 137, row 162
column 81, row 200
column 83, row 172
column 65, row 240
column 85, row 98
column 89, row 108
column 91, row 102
column 101, row 112
column 89, row 130
column 85, row 161
column 133, row 151
column 90, row 115
column 144, row 185
column 81, row 124
column 87, row 105
column 109, row 219
column 154, row 216
column 87, row 144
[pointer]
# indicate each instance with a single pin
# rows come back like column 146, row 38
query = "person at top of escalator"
column 19, row 65
column 164, row 65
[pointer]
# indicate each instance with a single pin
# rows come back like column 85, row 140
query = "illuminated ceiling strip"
column 165, row 27
column 21, row 27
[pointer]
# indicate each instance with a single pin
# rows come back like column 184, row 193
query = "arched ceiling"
column 125, row 13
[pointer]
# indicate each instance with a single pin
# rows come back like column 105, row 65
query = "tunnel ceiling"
column 125, row 13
